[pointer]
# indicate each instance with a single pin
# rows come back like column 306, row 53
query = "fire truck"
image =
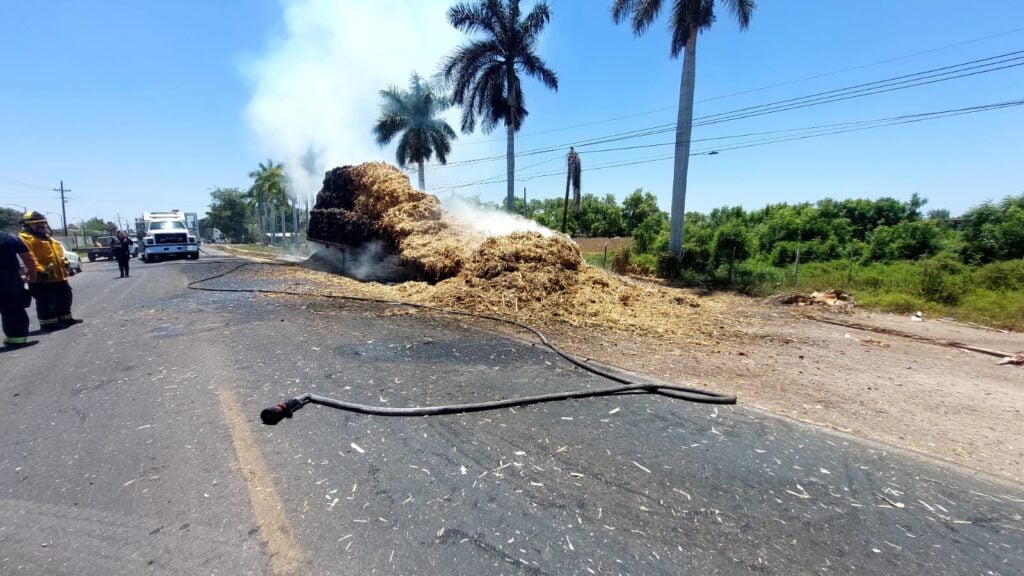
column 167, row 235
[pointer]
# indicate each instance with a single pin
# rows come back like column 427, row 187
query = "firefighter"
column 13, row 296
column 49, row 285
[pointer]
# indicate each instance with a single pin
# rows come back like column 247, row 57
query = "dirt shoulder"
column 952, row 404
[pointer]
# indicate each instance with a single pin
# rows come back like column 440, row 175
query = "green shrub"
column 621, row 260
column 644, row 264
column 1000, row 309
column 595, row 259
column 943, row 281
column 891, row 302
column 668, row 266
column 1001, row 275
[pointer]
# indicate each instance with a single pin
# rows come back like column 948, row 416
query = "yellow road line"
column 285, row 554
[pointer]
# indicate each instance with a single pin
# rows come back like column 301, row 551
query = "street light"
column 23, row 208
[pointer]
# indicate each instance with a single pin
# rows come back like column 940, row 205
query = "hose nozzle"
column 274, row 414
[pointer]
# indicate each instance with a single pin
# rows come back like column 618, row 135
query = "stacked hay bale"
column 374, row 201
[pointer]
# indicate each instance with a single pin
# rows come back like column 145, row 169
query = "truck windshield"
column 169, row 225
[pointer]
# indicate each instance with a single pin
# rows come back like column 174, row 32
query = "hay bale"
column 338, row 190
column 374, row 201
column 341, row 226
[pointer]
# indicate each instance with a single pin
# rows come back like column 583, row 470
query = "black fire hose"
column 274, row 414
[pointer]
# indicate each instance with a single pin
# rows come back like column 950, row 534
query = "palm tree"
column 688, row 19
column 484, row 73
column 267, row 191
column 413, row 112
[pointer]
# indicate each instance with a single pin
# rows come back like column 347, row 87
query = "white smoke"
column 315, row 89
column 491, row 222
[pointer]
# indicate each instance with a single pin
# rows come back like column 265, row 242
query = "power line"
column 926, row 77
column 21, row 183
column 811, row 132
column 761, row 88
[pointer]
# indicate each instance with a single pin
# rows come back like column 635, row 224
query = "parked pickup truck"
column 101, row 248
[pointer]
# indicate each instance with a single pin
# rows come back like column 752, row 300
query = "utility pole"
column 63, row 206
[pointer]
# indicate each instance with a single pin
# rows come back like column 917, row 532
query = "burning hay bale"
column 374, row 201
column 532, row 277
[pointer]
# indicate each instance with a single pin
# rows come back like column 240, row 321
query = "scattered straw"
column 526, row 276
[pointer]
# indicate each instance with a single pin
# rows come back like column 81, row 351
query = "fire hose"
column 274, row 414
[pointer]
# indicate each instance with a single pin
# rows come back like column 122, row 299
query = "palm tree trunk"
column 684, row 127
column 510, row 155
column 273, row 225
column 295, row 224
column 423, row 182
column 284, row 227
column 259, row 221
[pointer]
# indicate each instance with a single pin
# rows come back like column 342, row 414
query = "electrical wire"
column 758, row 89
column 966, row 69
column 813, row 132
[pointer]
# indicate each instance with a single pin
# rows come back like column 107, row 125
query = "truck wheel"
column 92, row 257
column 194, row 255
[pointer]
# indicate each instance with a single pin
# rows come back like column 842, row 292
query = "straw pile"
column 527, row 276
column 374, row 201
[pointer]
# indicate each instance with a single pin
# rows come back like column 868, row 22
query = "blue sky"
column 148, row 105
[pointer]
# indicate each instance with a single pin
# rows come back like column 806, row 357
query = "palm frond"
column 641, row 13
column 743, row 10
column 411, row 116
column 535, row 21
column 536, row 68
column 387, row 126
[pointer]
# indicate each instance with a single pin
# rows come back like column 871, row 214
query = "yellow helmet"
column 33, row 217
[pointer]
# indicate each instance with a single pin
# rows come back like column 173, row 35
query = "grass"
column 992, row 295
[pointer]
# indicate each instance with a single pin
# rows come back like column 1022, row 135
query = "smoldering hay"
column 524, row 275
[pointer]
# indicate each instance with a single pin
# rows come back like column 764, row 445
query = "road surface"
column 131, row 444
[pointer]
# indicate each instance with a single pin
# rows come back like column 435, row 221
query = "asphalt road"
column 131, row 444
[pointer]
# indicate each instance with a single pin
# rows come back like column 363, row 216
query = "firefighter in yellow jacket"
column 49, row 285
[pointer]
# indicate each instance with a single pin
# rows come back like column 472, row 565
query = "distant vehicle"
column 215, row 236
column 166, row 235
column 74, row 261
column 101, row 248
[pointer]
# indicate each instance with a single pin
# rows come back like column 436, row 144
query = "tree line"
column 857, row 229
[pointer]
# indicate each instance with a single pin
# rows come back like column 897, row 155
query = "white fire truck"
column 167, row 235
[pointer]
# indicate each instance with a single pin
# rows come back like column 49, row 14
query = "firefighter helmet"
column 33, row 217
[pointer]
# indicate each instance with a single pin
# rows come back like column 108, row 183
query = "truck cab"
column 166, row 235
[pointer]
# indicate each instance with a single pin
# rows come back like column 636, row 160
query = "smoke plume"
column 315, row 88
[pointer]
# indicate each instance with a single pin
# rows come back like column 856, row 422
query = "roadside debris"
column 1016, row 359
column 867, row 341
column 834, row 299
